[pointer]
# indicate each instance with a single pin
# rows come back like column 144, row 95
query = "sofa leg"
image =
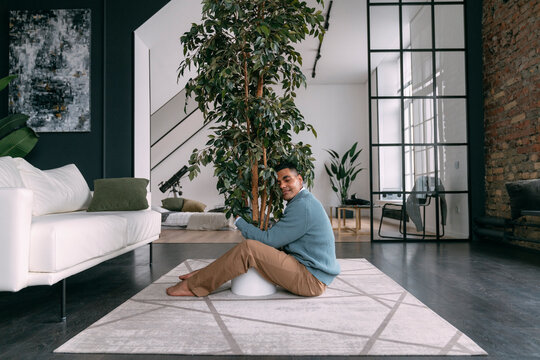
column 63, row 301
column 151, row 253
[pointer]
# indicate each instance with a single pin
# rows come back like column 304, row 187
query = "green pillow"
column 119, row 194
column 193, row 206
column 173, row 204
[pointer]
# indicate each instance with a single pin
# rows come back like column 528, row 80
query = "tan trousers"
column 274, row 265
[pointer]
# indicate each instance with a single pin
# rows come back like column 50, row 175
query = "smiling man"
column 297, row 253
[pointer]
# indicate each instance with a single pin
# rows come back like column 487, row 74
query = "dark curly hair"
column 286, row 165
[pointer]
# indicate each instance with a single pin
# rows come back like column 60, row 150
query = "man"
column 306, row 263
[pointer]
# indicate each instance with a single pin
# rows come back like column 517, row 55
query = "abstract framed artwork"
column 49, row 50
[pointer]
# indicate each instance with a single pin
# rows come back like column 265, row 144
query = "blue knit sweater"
column 304, row 231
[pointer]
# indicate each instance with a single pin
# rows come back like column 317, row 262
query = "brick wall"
column 511, row 49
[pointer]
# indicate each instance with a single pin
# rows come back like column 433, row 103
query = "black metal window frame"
column 434, row 97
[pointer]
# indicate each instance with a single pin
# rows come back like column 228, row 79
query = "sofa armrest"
column 15, row 225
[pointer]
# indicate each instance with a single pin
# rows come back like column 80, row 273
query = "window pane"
column 384, row 27
column 386, row 123
column 386, row 68
column 417, row 74
column 449, row 27
column 416, row 27
column 418, row 121
column 453, row 167
column 391, row 205
column 420, row 161
column 457, row 216
column 390, row 168
column 452, row 121
column 450, row 72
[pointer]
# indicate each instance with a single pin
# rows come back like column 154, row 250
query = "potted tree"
column 243, row 51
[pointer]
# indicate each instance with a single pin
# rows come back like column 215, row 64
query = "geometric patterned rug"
column 363, row 312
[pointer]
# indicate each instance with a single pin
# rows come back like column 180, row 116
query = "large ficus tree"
column 243, row 52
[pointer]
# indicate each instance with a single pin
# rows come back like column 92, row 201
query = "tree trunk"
column 255, row 166
column 255, row 191
column 264, row 195
column 268, row 211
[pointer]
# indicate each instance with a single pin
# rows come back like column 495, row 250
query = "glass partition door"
column 418, row 120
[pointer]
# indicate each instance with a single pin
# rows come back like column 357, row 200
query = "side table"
column 357, row 213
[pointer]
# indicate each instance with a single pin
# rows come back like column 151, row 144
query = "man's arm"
column 289, row 228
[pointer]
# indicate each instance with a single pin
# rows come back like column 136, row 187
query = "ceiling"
column 344, row 49
column 343, row 52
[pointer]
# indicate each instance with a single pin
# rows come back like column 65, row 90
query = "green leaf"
column 353, row 159
column 334, row 154
column 6, row 80
column 353, row 149
column 341, row 172
column 265, row 30
column 344, row 158
column 334, row 168
column 12, row 122
column 18, row 143
column 328, row 171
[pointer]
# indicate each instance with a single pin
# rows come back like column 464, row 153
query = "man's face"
column 290, row 183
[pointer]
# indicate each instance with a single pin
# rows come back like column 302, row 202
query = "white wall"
column 339, row 114
column 161, row 34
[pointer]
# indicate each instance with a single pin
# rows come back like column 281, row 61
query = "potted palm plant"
column 343, row 171
column 243, row 52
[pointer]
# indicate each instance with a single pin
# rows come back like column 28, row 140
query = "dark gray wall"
column 106, row 151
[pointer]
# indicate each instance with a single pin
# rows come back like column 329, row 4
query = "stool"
column 252, row 284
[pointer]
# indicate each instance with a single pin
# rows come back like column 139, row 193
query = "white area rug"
column 363, row 312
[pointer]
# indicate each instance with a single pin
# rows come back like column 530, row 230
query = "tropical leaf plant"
column 16, row 138
column 343, row 171
column 243, row 52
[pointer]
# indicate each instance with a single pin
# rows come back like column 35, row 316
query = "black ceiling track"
column 326, row 24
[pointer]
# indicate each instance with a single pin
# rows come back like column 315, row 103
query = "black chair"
column 395, row 211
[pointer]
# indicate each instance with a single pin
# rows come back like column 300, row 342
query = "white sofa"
column 41, row 248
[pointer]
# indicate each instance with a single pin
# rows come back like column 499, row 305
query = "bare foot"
column 187, row 276
column 180, row 289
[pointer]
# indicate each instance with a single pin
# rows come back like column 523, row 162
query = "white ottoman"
column 252, row 284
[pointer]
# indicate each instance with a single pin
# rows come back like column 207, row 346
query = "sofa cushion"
column 173, row 204
column 63, row 189
column 119, row 194
column 193, row 206
column 141, row 225
column 9, row 174
column 59, row 241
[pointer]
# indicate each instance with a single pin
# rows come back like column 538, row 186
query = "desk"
column 357, row 213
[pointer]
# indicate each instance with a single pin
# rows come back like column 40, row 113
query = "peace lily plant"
column 343, row 171
column 243, row 52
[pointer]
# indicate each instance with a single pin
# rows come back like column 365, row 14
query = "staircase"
column 174, row 133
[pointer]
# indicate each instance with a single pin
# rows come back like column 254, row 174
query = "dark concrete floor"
column 489, row 291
